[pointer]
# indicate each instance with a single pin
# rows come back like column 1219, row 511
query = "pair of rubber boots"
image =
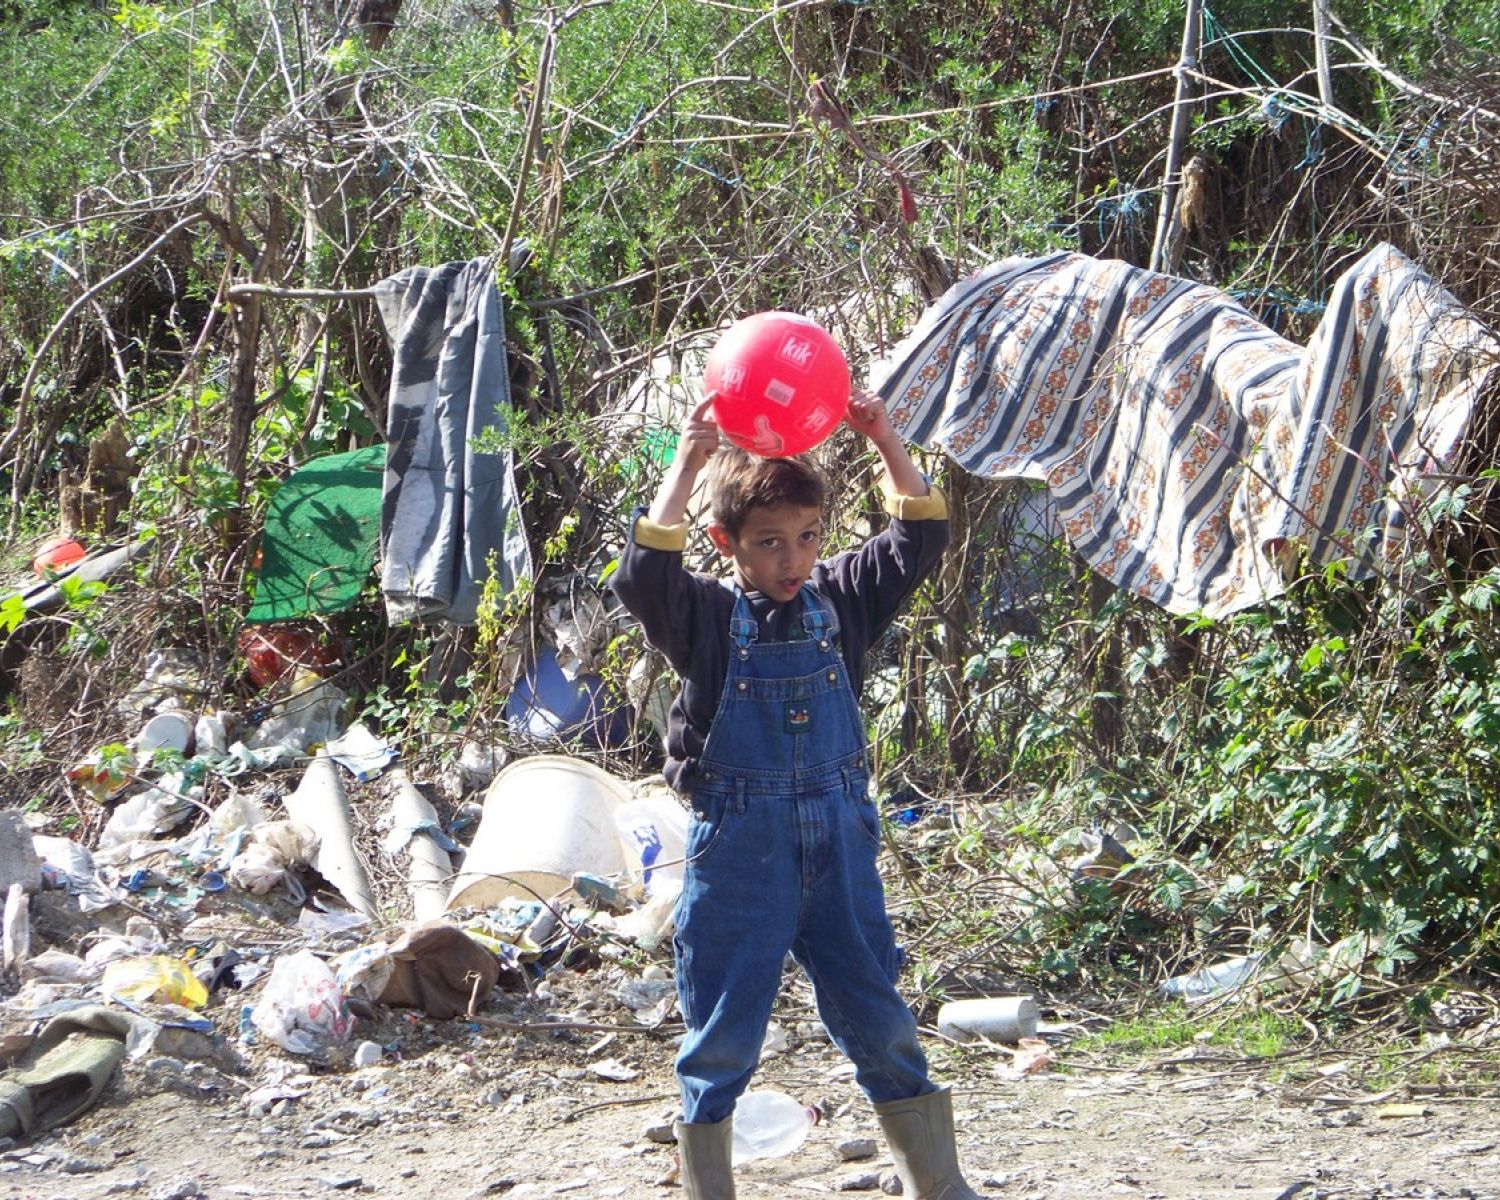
column 919, row 1132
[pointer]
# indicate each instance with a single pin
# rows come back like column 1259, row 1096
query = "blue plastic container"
column 549, row 706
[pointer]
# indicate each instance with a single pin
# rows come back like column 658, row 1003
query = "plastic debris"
column 1260, row 969
column 158, row 979
column 301, row 1008
column 360, row 752
column 310, row 716
column 158, row 809
column 16, row 945
column 415, row 831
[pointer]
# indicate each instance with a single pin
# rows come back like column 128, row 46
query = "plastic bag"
column 257, row 869
column 151, row 812
column 301, row 1008
column 653, row 834
column 158, row 979
column 364, row 973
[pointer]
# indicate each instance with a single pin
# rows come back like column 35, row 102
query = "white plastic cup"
column 996, row 1018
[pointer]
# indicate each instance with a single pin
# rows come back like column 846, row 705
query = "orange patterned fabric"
column 1185, row 444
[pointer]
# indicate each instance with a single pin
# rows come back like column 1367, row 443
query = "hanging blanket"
column 448, row 508
column 1185, row 445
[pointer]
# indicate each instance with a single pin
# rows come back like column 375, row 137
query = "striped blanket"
column 1186, row 446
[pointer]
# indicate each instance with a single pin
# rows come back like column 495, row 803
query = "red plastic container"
column 56, row 554
column 270, row 651
column 780, row 384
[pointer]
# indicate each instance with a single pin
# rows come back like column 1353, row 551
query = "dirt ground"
column 457, row 1111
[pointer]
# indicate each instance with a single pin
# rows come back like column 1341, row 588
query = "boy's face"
column 774, row 550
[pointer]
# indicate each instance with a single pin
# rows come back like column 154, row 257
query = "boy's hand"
column 695, row 446
column 867, row 415
column 699, row 437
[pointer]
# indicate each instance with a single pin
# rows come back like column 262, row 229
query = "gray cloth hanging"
column 446, row 507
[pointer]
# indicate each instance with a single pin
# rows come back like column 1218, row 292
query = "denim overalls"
column 781, row 856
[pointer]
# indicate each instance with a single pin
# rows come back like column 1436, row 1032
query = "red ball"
column 780, row 384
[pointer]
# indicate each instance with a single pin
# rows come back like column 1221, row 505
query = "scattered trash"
column 174, row 678
column 532, row 850
column 600, row 893
column 360, row 752
column 1030, row 1056
column 271, row 652
column 62, row 1073
column 68, row 865
column 414, row 831
column 549, row 706
column 1292, row 968
column 301, row 1008
column 440, row 970
column 16, row 928
column 613, row 1070
column 367, row 1054
column 995, row 1018
column 478, row 763
column 775, row 1042
column 171, row 730
column 158, row 809
column 55, row 554
column 157, row 979
column 769, row 1124
column 653, row 828
column 1398, row 1112
column 311, row 715
column 320, row 803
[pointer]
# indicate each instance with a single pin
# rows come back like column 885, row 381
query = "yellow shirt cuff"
column 652, row 536
column 931, row 507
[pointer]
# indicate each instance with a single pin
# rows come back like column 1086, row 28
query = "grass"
column 1248, row 1034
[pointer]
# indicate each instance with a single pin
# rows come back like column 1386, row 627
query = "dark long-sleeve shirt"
column 685, row 615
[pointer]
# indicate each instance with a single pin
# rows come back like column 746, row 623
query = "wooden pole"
column 1187, row 64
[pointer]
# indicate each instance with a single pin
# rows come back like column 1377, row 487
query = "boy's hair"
column 738, row 482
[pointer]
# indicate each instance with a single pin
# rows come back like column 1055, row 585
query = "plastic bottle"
column 769, row 1125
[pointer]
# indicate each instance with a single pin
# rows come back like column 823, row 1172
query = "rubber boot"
column 920, row 1134
column 704, row 1153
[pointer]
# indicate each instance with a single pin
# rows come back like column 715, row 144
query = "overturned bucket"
column 545, row 819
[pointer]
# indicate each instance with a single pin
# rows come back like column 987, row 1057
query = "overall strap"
column 819, row 620
column 743, row 630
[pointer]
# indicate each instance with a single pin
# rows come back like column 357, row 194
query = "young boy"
column 766, row 739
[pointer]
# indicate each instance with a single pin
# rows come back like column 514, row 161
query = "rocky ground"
column 560, row 1083
column 457, row 1109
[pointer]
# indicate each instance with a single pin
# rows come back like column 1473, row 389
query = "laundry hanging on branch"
column 1186, row 446
column 448, row 507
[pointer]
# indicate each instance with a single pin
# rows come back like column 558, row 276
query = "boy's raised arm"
column 695, row 446
column 867, row 415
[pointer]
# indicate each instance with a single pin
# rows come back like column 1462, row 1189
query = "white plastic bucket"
column 546, row 818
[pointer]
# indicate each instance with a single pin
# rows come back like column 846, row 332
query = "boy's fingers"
column 705, row 407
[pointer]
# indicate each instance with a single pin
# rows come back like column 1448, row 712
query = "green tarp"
column 322, row 531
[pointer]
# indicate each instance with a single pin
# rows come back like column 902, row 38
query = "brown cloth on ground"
column 439, row 969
